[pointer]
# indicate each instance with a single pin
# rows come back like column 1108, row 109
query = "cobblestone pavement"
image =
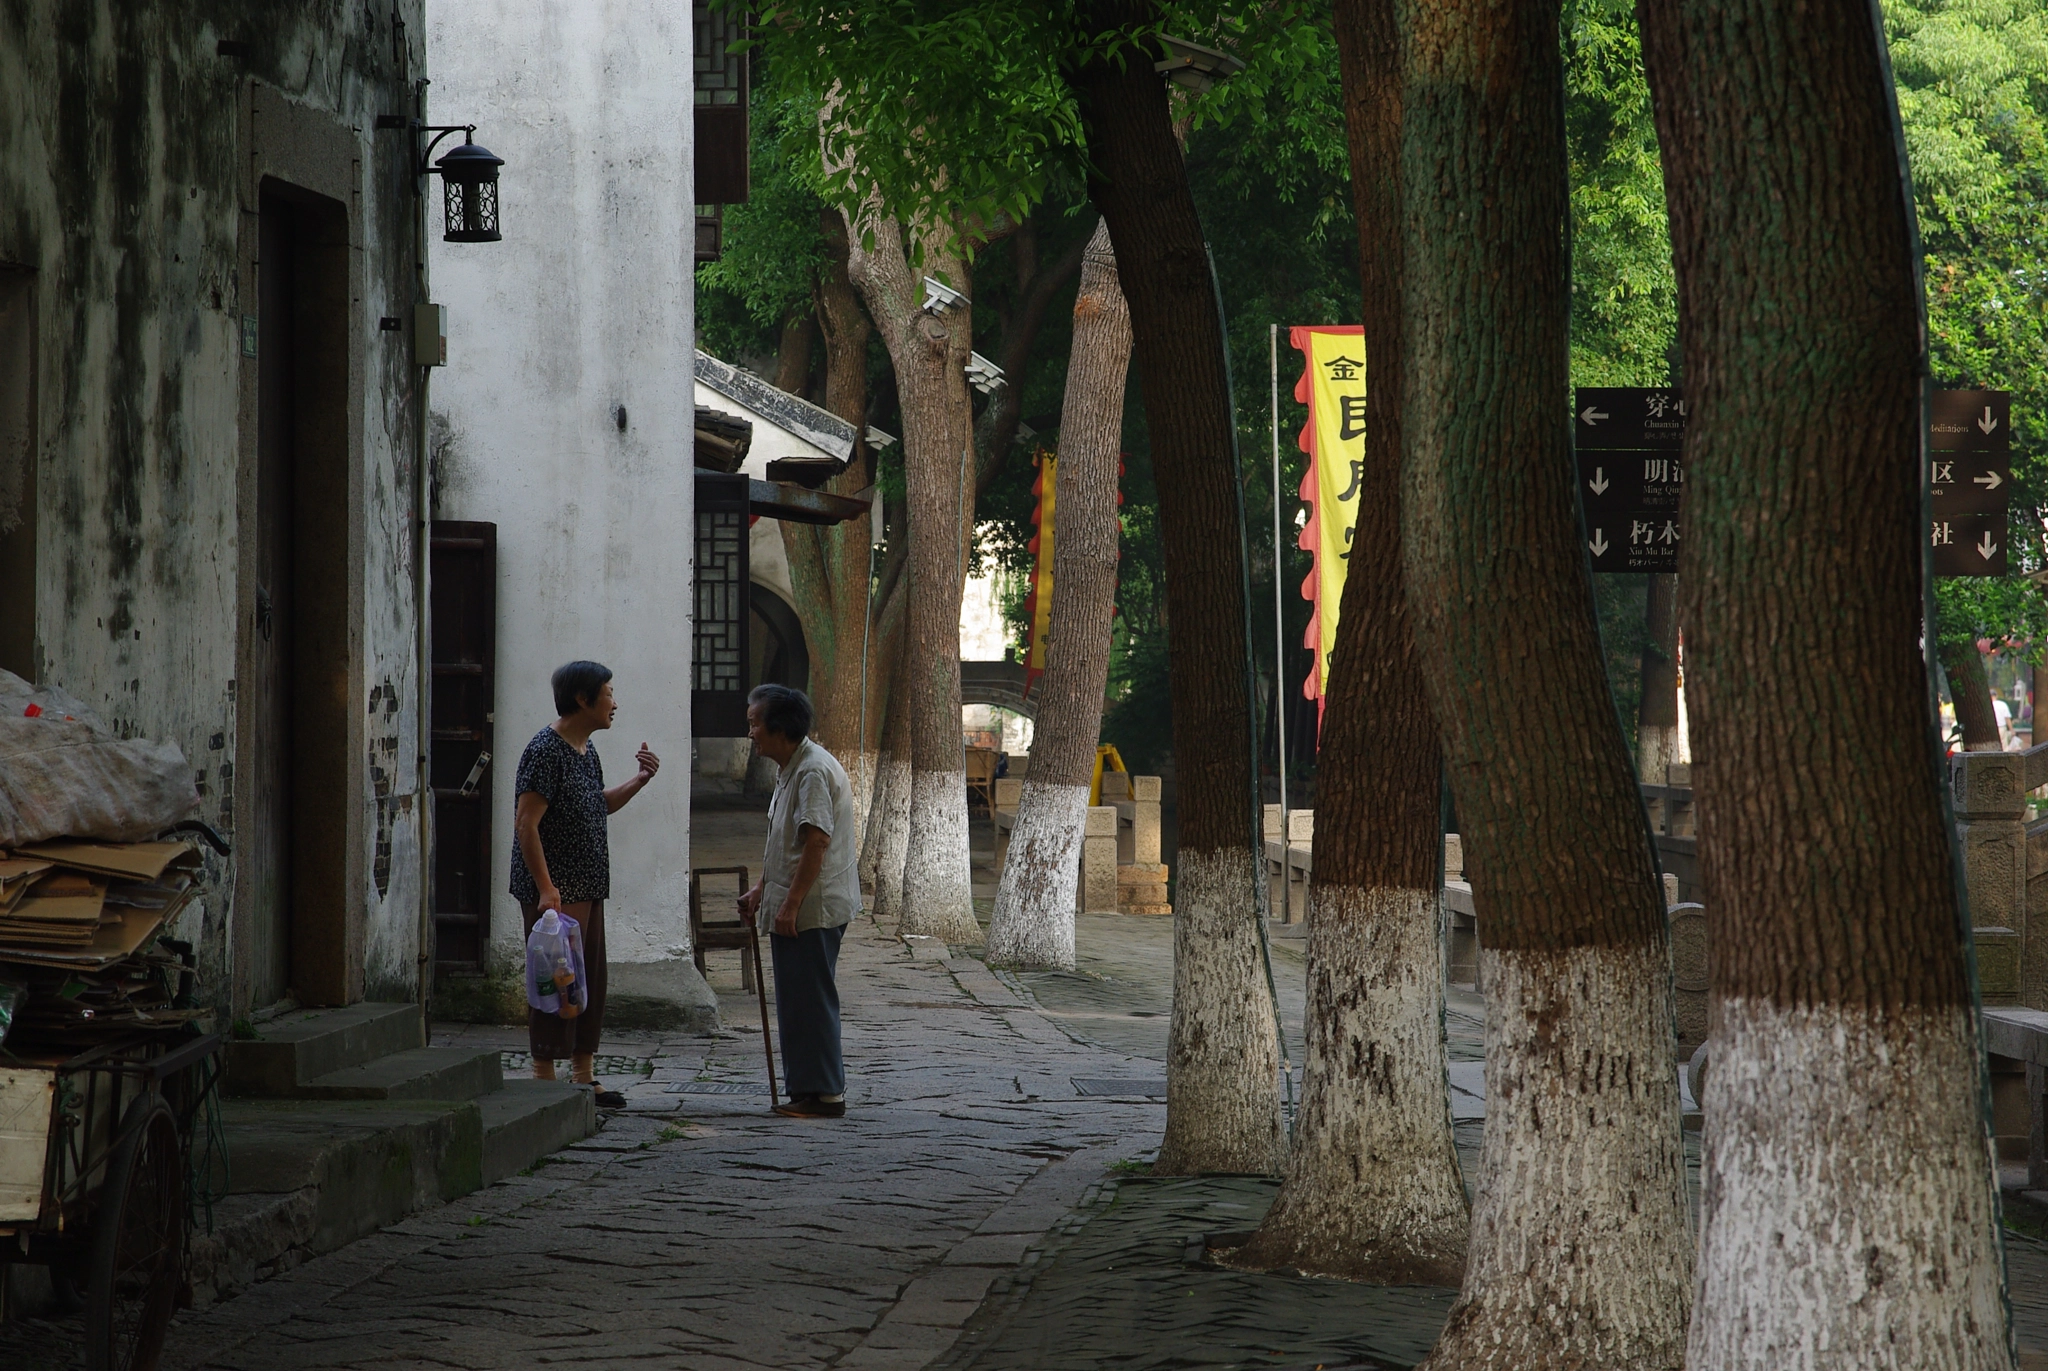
column 698, row 1231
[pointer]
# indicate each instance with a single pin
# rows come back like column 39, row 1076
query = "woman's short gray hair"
column 784, row 709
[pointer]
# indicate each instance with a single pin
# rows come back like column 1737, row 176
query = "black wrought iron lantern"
column 469, row 177
column 469, row 188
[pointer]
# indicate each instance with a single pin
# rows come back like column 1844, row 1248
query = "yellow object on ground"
column 1106, row 759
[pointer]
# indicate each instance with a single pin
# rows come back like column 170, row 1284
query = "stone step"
column 294, row 1049
column 419, row 1073
column 528, row 1119
column 309, row 1176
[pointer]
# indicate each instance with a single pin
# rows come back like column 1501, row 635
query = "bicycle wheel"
column 138, row 1244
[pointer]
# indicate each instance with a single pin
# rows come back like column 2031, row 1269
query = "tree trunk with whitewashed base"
column 892, row 807
column 1581, row 1248
column 1223, row 1056
column 1373, row 1189
column 1033, row 924
column 1849, row 1205
column 930, row 355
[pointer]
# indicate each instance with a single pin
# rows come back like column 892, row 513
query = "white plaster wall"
column 583, row 308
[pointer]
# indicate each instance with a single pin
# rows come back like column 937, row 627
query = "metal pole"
column 1279, row 619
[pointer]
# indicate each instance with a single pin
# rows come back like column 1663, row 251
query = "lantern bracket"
column 423, row 150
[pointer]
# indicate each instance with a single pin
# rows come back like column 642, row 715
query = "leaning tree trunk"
column 1581, row 1250
column 829, row 563
column 1969, row 687
column 930, row 355
column 1850, row 1204
column 892, row 799
column 1033, row 924
column 1223, row 1058
column 1373, row 1189
column 1657, row 715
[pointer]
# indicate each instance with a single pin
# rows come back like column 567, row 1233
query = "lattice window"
column 721, row 73
column 720, row 655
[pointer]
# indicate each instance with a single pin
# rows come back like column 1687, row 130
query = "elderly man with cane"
column 809, row 891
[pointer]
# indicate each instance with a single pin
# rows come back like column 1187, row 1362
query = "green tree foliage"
column 1624, row 298
column 1973, row 98
column 772, row 244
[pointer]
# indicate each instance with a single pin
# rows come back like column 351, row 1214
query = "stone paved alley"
column 976, row 1211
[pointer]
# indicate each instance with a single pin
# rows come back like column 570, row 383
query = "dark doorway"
column 775, row 648
column 295, row 853
column 18, row 651
column 465, row 620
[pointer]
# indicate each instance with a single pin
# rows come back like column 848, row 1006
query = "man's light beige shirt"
column 811, row 789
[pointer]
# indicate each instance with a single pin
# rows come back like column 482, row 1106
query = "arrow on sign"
column 1599, row 483
column 1987, row 423
column 1600, row 544
column 1590, row 415
column 1990, row 480
column 1985, row 547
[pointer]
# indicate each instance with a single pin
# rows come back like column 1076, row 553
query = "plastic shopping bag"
column 554, row 966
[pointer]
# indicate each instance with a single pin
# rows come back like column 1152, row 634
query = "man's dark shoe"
column 811, row 1107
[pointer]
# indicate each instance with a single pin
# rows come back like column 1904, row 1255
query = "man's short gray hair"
column 784, row 709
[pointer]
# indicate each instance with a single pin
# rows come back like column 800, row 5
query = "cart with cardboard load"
column 107, row 1067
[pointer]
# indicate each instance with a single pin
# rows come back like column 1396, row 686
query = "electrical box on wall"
column 430, row 335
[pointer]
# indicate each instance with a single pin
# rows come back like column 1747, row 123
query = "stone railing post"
column 1990, row 794
column 1098, row 861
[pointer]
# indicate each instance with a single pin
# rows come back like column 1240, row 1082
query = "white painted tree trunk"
column 938, row 894
column 860, row 779
column 894, row 837
column 1222, row 1055
column 1033, row 924
column 1373, row 1191
column 1581, row 1255
column 871, row 826
column 1849, row 1206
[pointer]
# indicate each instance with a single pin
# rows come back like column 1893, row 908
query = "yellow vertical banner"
column 1038, row 600
column 1332, row 385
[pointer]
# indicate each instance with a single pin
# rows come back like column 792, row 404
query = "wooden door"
column 465, row 618
column 266, row 848
column 302, row 683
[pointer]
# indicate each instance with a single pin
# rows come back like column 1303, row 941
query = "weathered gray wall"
column 129, row 157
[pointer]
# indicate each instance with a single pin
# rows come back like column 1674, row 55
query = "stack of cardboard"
column 85, row 905
column 78, row 942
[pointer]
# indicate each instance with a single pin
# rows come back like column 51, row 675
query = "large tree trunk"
column 1581, row 1251
column 793, row 350
column 1223, row 1059
column 829, row 563
column 1373, row 1188
column 885, row 653
column 891, row 823
column 1969, row 688
column 1033, row 924
column 1850, row 1203
column 1657, row 715
column 930, row 354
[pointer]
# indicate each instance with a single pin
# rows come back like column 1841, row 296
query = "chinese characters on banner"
column 1038, row 600
column 1332, row 385
column 1631, row 474
column 1969, row 477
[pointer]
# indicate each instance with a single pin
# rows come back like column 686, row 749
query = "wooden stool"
column 722, row 934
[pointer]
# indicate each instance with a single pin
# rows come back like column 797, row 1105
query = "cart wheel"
column 138, row 1244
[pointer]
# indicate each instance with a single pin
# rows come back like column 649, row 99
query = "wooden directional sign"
column 1631, row 474
column 1969, row 478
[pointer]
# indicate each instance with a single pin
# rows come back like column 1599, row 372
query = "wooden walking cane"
column 726, row 935
column 761, row 993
